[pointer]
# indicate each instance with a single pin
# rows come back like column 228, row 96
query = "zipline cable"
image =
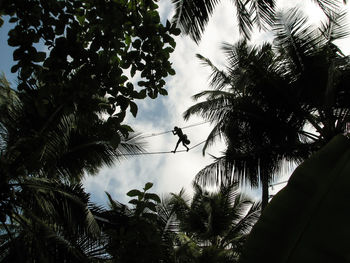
column 163, row 152
column 161, row 133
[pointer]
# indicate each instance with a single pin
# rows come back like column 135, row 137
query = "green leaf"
column 18, row 54
column 141, row 83
column 171, row 71
column 39, row 57
column 133, row 108
column 134, row 202
column 142, row 94
column 133, row 70
column 175, row 31
column 163, row 92
column 14, row 68
column 81, row 19
column 148, row 186
column 134, row 192
column 151, row 196
column 307, row 221
column 127, row 40
column 172, row 43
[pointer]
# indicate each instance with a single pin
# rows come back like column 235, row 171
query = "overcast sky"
column 170, row 172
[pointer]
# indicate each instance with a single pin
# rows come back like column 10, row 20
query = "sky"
column 170, row 172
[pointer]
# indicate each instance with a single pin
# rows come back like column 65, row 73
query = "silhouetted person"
column 182, row 138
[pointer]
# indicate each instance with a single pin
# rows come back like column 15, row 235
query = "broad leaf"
column 153, row 197
column 134, row 192
column 307, row 221
column 148, row 186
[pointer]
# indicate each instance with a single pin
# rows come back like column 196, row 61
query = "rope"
column 161, row 133
column 149, row 153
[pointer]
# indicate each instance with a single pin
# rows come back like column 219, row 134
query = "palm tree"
column 45, row 149
column 263, row 101
column 316, row 69
column 49, row 221
column 213, row 226
column 259, row 134
column 193, row 16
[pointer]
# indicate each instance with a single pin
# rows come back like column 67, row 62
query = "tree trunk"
column 265, row 190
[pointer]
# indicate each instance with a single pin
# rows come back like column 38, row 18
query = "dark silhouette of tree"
column 93, row 47
column 192, row 16
column 45, row 152
column 138, row 233
column 267, row 96
column 212, row 227
column 291, row 228
column 48, row 221
column 65, row 118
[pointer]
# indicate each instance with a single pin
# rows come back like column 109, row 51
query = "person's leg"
column 177, row 144
column 184, row 144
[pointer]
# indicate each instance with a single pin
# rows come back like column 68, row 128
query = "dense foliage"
column 78, row 63
column 93, row 47
column 276, row 102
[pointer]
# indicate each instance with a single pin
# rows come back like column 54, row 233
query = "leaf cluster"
column 137, row 233
column 92, row 49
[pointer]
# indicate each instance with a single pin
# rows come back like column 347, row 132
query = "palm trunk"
column 265, row 194
column 265, row 189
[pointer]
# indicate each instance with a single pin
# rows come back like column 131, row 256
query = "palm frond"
column 245, row 223
column 216, row 173
column 134, row 144
column 218, row 78
column 328, row 6
column 217, row 102
column 262, row 12
column 59, row 202
column 244, row 18
column 335, row 27
column 294, row 35
column 191, row 16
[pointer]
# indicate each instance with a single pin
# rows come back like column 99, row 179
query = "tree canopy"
column 79, row 49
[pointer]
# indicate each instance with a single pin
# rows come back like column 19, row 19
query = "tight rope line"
column 161, row 133
column 148, row 153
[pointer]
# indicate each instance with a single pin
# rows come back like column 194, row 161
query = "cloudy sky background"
column 170, row 172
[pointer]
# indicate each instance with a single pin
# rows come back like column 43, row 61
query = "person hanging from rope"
column 182, row 138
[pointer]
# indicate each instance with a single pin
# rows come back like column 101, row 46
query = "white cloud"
column 170, row 172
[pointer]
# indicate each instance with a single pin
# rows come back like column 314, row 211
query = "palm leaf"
column 335, row 27
column 263, row 13
column 191, row 16
column 329, row 6
column 218, row 78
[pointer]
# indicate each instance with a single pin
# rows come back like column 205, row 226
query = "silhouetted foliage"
column 192, row 16
column 212, row 227
column 137, row 233
column 307, row 221
column 92, row 48
column 266, row 100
